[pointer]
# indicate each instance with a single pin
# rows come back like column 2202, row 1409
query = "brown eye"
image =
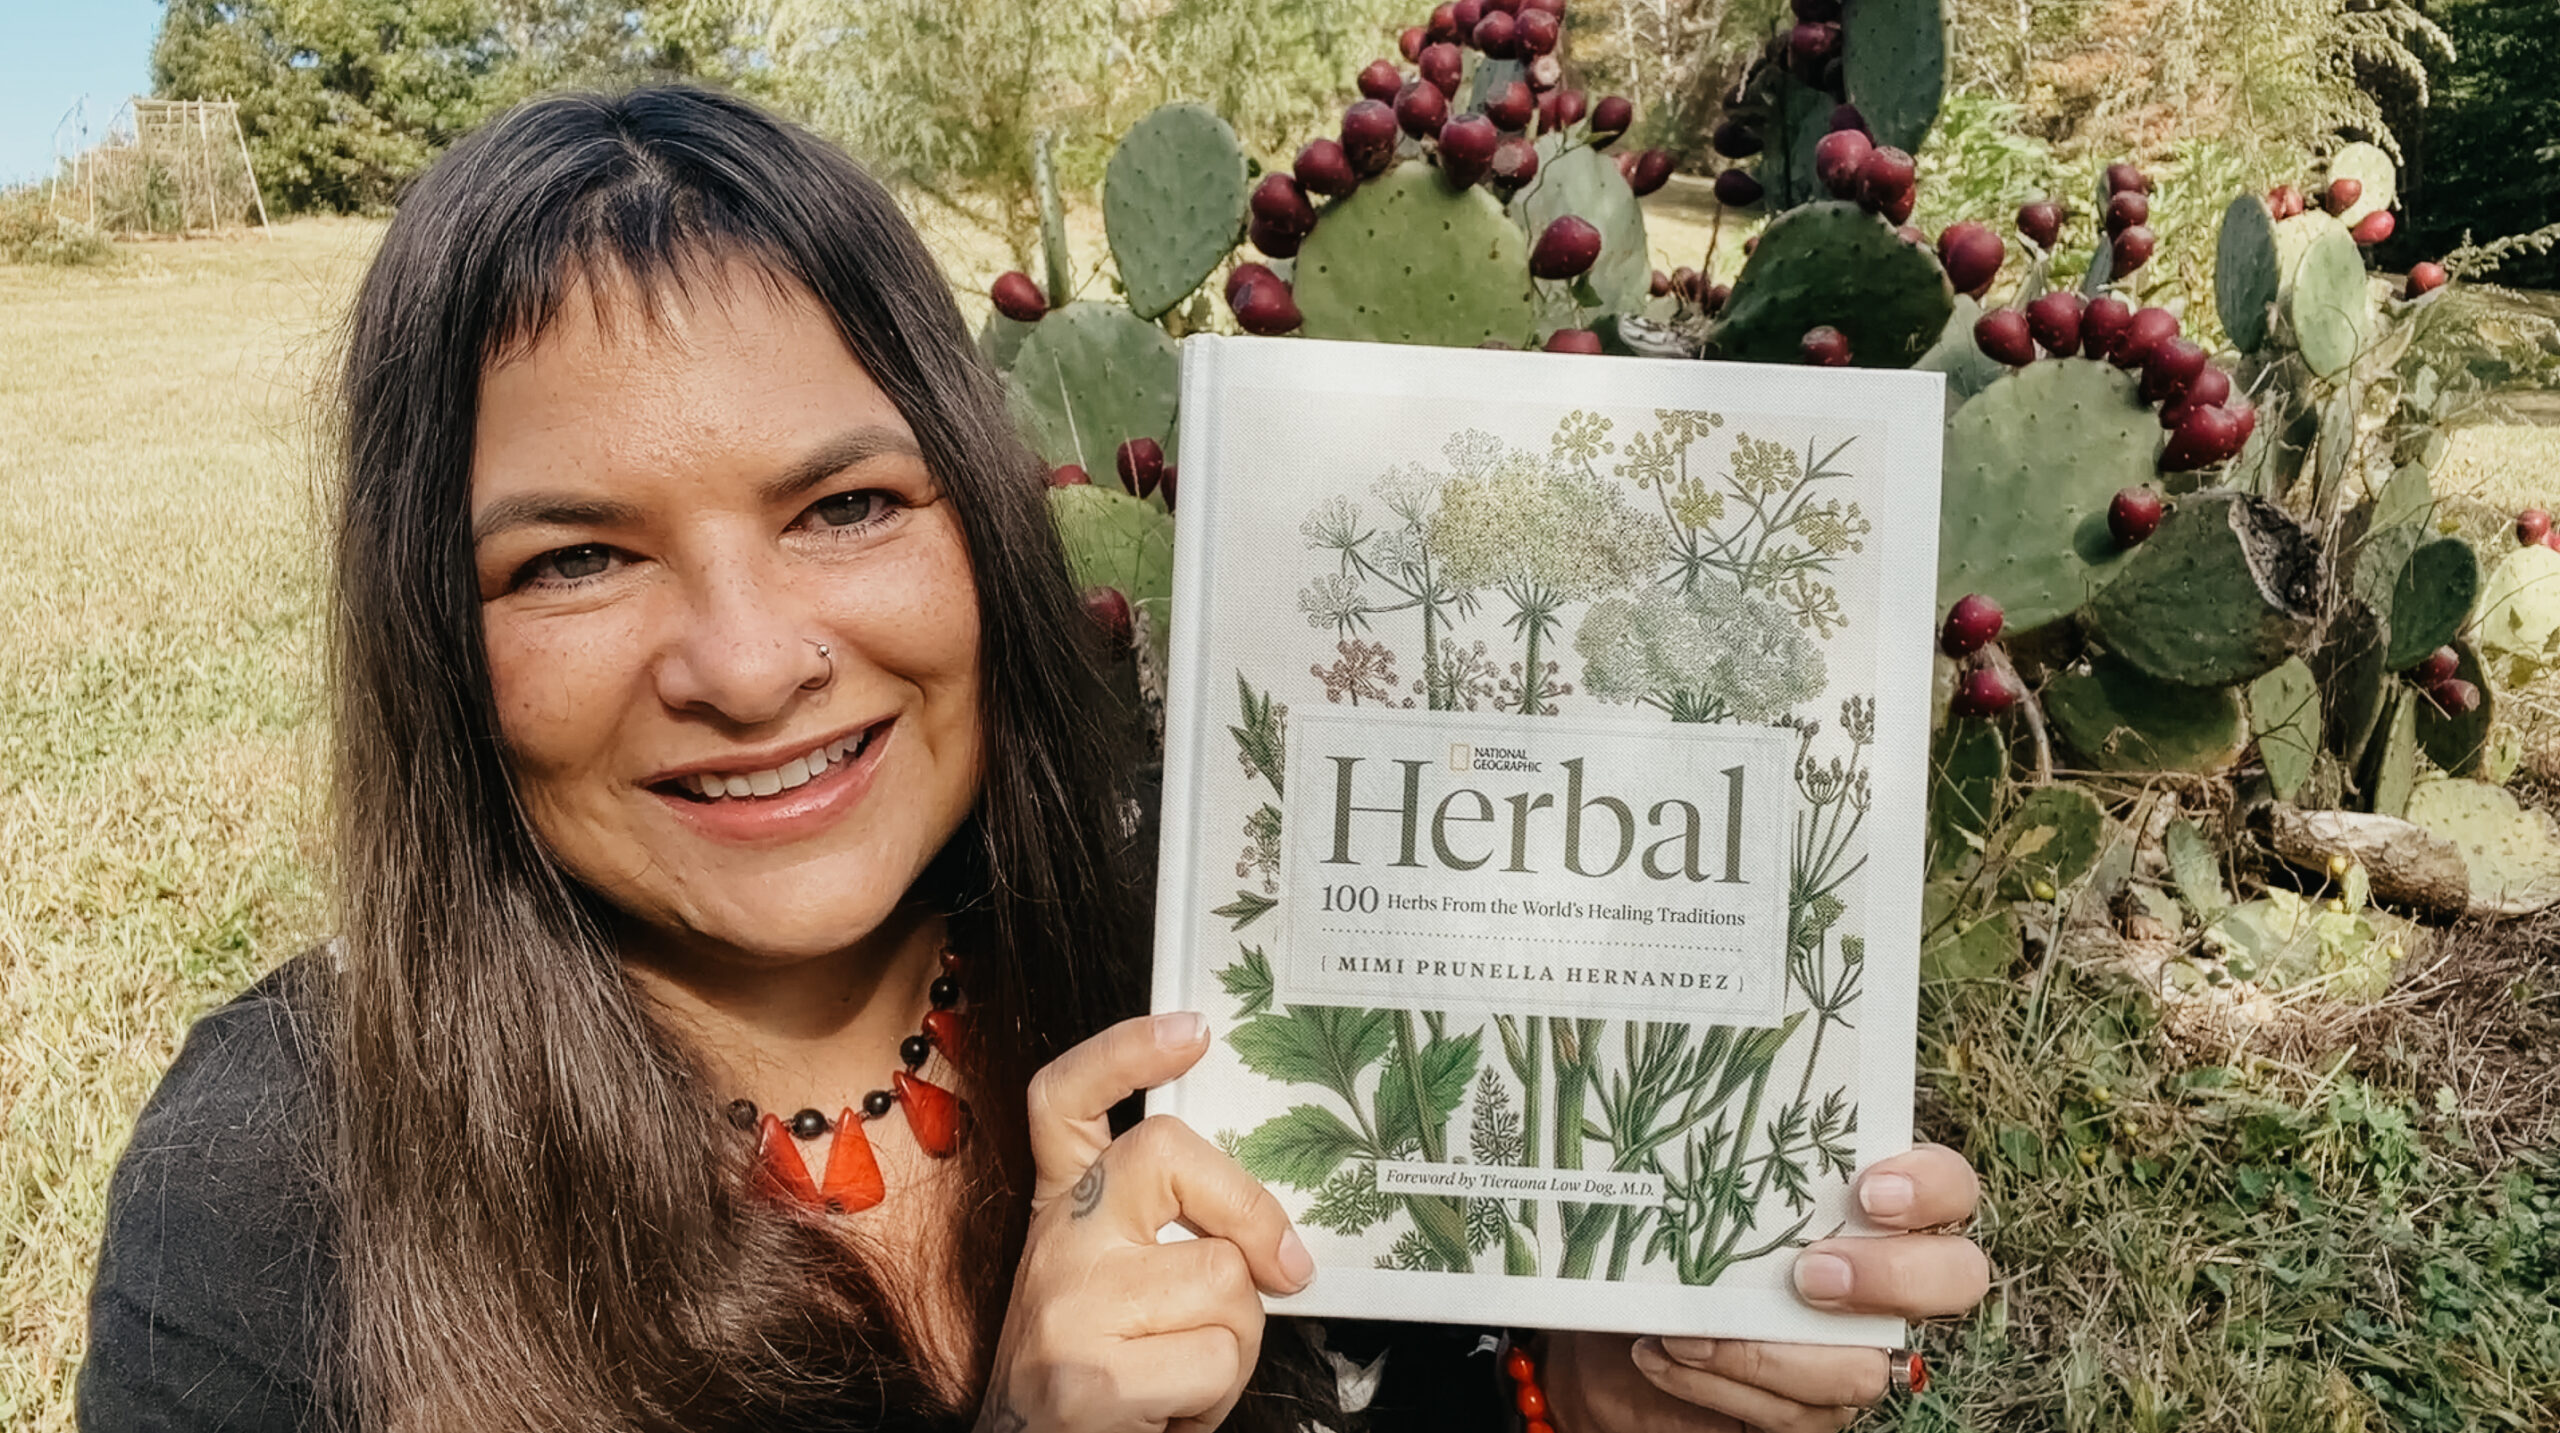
column 568, row 564
column 854, row 509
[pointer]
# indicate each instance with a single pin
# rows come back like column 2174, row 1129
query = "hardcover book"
column 1545, row 769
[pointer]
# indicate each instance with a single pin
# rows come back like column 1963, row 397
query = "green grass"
column 2344, row 1228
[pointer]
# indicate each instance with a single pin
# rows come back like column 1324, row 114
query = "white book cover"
column 1545, row 774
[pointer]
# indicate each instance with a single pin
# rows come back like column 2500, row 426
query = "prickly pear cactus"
column 2330, row 305
column 2284, row 714
column 1584, row 181
column 1967, row 761
column 2391, row 763
column 1834, row 264
column 2513, row 853
column 2114, row 718
column 2456, row 741
column 2519, row 630
column 1173, row 201
column 2370, row 166
column 1894, row 61
column 2431, row 599
column 2031, row 466
column 2222, row 593
column 1960, row 358
column 1114, row 540
column 1404, row 260
column 1090, row 377
column 2051, row 840
column 2248, row 273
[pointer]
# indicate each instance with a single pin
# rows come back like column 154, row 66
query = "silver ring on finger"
column 1908, row 1371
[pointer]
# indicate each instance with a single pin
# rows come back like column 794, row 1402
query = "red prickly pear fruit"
column 1141, row 465
column 1884, row 176
column 1972, row 624
column 1164, row 486
column 2211, row 389
column 1380, row 81
column 1838, row 158
column 1715, row 298
column 1736, row 140
column 2125, row 209
column 1571, row 105
column 2170, row 368
column 1017, row 297
column 2054, row 319
column 1497, row 34
column 1566, row 250
column 1614, row 113
column 1687, row 284
column 2441, row 665
column 1846, row 117
column 2041, row 222
column 1410, row 43
column 1736, row 189
column 1279, row 202
column 2134, row 515
column 1547, row 113
column 1421, row 108
column 2551, row 539
column 1653, row 170
column 1898, row 209
column 1545, row 73
column 1467, row 144
column 1444, row 25
column 1552, row 7
column 2149, row 329
column 1625, row 159
column 1109, row 609
column 1515, row 106
column 2456, row 696
column 1971, row 254
column 1069, row 475
column 1983, row 692
column 1507, row 7
column 2244, row 413
column 2532, row 526
column 1817, row 12
column 1277, row 241
column 2342, row 195
column 1323, row 168
column 2208, row 436
column 1910, row 234
column 1465, row 15
column 2003, row 337
column 1243, row 274
column 2286, row 202
column 1369, row 136
column 1751, row 246
column 1266, row 307
column 2104, row 325
column 1536, row 32
column 1573, row 340
column 1442, row 65
column 1812, row 45
column 2123, row 178
column 1826, row 347
column 1659, row 284
column 2425, row 279
column 2373, row 228
column 2133, row 248
column 1515, row 162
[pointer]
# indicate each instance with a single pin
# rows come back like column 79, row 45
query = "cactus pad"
column 2330, row 306
column 2513, row 852
column 2458, row 742
column 1797, row 116
column 2391, row 762
column 1586, row 182
column 2407, row 500
column 1403, row 260
column 1956, row 355
column 2430, row 600
column 1001, row 338
column 1090, row 377
column 1114, row 540
column 2223, row 592
column 2372, row 168
column 2196, row 868
column 2053, row 836
column 2114, row 718
column 1966, row 762
column 1833, row 263
column 1894, row 62
column 2353, row 680
column 2519, row 629
column 2247, row 274
column 2031, row 465
column 1173, row 202
column 2284, row 712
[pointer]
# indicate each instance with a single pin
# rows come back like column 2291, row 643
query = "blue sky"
column 55, row 52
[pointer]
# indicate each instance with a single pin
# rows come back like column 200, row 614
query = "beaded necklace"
column 852, row 1183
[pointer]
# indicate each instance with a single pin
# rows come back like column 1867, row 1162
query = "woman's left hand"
column 1609, row 1383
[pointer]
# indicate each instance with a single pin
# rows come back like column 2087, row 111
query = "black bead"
column 742, row 1113
column 946, row 992
column 914, row 1049
column 876, row 1104
column 808, row 1124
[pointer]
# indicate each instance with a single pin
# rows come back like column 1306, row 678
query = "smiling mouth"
column 709, row 787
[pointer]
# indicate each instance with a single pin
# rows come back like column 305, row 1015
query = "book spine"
column 1178, row 856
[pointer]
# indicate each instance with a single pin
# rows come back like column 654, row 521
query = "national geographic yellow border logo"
column 1462, row 757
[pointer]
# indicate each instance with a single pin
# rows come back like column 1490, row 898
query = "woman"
column 736, row 897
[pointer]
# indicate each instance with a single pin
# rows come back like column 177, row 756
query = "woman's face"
column 670, row 516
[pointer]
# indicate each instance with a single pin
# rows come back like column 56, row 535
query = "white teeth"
column 762, row 783
column 795, row 772
column 738, row 786
column 798, row 771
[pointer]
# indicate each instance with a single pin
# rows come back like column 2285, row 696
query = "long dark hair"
column 543, row 1221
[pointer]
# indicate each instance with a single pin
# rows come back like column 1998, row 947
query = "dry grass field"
column 161, row 748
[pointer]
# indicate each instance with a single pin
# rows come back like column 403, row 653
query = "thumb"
column 1070, row 1100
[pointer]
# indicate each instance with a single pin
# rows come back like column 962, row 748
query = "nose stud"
column 827, row 654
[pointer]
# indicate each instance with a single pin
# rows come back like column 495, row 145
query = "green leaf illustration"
column 1245, row 909
column 1448, row 1065
column 1350, row 1202
column 1301, row 1147
column 1313, row 1045
column 1259, row 741
column 1249, row 981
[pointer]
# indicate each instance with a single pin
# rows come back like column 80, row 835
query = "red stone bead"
column 933, row 1113
column 1519, row 1365
column 785, row 1175
column 949, row 1033
column 1918, row 1371
column 1539, row 1425
column 1533, row 1402
column 853, row 1173
column 950, row 960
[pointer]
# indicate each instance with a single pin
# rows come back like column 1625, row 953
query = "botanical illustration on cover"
column 1667, row 564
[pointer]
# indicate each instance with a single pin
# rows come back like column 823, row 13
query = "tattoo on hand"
column 1087, row 1195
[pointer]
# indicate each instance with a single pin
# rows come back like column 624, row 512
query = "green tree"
column 2487, row 158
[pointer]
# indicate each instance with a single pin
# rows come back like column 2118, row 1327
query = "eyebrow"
column 843, row 451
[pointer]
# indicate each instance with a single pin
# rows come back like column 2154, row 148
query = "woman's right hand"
column 1109, row 1329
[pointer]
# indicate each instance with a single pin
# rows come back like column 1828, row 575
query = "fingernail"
column 1885, row 1195
column 1180, row 1030
column 1822, row 1276
column 1649, row 1355
column 1295, row 1261
column 1697, row 1352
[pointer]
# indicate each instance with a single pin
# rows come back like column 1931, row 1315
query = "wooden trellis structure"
column 165, row 167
